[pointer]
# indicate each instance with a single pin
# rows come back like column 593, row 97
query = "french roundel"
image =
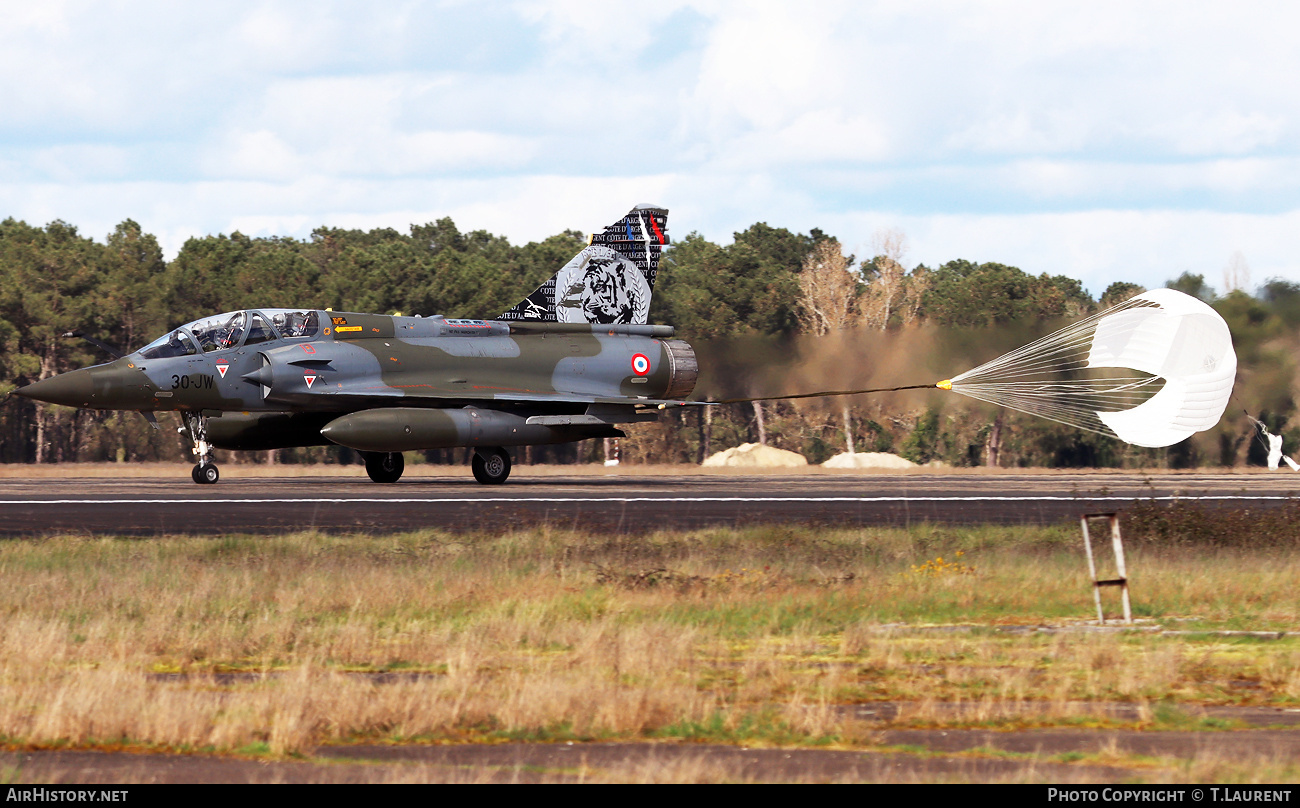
column 640, row 364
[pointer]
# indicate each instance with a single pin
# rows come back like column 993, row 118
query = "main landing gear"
column 196, row 426
column 384, row 467
column 491, row 465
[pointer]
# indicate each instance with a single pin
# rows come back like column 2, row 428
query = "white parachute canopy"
column 1152, row 371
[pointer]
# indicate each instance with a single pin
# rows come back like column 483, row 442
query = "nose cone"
column 115, row 386
column 73, row 389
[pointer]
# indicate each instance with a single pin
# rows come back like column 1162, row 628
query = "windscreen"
column 175, row 343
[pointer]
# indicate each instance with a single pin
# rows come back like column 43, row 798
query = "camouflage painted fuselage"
column 430, row 382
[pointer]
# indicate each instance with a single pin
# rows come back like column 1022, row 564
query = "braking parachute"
column 1152, row 371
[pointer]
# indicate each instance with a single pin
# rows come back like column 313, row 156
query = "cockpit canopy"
column 232, row 329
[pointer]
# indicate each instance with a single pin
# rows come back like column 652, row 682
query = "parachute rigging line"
column 824, row 393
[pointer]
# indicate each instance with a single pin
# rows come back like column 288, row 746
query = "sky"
column 1106, row 141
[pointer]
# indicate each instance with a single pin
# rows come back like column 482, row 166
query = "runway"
column 628, row 502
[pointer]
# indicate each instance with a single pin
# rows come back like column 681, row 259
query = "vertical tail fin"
column 609, row 281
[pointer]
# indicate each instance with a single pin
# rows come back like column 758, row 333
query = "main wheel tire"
column 491, row 465
column 385, row 467
column 205, row 474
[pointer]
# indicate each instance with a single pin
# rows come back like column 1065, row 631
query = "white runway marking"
column 562, row 500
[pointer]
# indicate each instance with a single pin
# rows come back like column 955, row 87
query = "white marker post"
column 1122, row 580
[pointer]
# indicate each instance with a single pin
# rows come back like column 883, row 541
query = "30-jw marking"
column 197, row 381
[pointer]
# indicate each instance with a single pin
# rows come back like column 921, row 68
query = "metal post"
column 1117, row 543
column 1092, row 568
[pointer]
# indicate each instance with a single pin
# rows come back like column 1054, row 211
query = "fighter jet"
column 573, row 360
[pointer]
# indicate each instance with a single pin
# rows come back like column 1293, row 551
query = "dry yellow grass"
column 758, row 636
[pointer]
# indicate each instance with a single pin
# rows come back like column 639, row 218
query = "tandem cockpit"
column 234, row 329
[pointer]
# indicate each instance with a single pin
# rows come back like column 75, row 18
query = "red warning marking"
column 222, row 370
column 640, row 364
column 307, row 349
column 310, row 378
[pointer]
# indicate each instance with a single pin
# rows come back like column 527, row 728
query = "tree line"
column 773, row 312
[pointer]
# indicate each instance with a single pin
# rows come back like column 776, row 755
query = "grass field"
column 758, row 636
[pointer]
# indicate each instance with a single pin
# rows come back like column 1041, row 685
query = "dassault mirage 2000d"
column 572, row 361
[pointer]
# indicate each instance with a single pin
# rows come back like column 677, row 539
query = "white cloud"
column 354, row 127
column 282, row 37
column 1110, row 140
column 256, row 154
column 1098, row 247
column 1099, row 180
column 47, row 18
column 74, row 162
column 1224, row 132
column 590, row 33
column 816, row 136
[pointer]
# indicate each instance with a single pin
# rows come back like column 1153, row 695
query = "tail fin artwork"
column 610, row 281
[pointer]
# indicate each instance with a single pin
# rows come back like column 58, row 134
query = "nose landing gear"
column 196, row 426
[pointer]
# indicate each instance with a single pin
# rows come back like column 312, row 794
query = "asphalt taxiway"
column 623, row 503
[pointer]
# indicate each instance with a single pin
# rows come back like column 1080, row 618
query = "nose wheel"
column 205, row 471
column 491, row 465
